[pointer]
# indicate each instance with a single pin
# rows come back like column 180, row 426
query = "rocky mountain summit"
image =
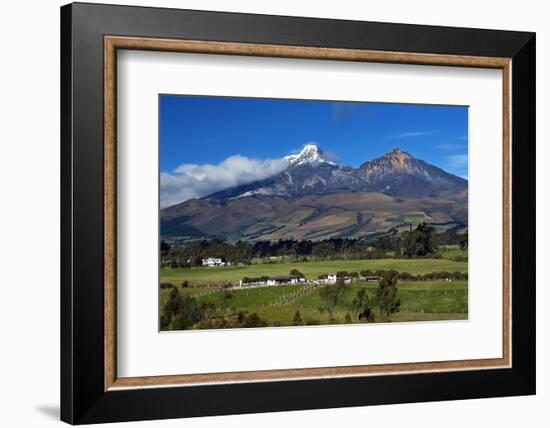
column 310, row 155
column 314, row 198
column 397, row 173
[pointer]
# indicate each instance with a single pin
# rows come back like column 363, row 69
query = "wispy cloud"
column 457, row 161
column 450, row 146
column 189, row 181
column 342, row 111
column 411, row 134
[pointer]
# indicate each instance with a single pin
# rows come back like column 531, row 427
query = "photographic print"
column 283, row 212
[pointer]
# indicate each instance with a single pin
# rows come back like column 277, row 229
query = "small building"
column 372, row 278
column 213, row 261
column 331, row 278
column 274, row 280
column 283, row 279
column 254, row 282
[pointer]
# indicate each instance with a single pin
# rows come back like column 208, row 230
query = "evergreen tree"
column 419, row 242
column 386, row 295
column 362, row 306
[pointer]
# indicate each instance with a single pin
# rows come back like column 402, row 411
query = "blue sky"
column 203, row 132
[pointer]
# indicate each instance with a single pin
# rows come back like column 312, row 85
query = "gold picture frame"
column 114, row 43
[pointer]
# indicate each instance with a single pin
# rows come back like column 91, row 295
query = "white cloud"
column 189, row 181
column 410, row 134
column 331, row 157
column 457, row 161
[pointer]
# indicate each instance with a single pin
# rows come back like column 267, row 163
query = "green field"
column 277, row 305
column 202, row 276
column 420, row 301
column 452, row 251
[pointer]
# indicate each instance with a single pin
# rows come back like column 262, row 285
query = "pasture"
column 213, row 276
column 277, row 305
column 420, row 301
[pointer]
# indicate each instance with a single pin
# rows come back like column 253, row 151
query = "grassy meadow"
column 202, row 276
column 277, row 305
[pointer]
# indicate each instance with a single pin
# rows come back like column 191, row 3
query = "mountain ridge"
column 396, row 173
column 314, row 198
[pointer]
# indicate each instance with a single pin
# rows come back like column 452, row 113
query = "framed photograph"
column 266, row 213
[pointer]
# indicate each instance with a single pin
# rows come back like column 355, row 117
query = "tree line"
column 423, row 241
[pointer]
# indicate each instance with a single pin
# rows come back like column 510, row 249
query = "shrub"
column 181, row 312
column 406, row 276
column 248, row 279
column 253, row 320
column 362, row 306
column 296, row 272
column 297, row 318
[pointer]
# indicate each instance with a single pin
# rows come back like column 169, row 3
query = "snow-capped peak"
column 311, row 154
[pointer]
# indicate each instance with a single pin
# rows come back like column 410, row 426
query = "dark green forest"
column 422, row 242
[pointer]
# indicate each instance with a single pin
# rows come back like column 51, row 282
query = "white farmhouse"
column 283, row 279
column 212, row 261
column 274, row 280
column 277, row 280
column 331, row 278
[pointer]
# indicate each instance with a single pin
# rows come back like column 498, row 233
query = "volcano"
column 315, row 198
